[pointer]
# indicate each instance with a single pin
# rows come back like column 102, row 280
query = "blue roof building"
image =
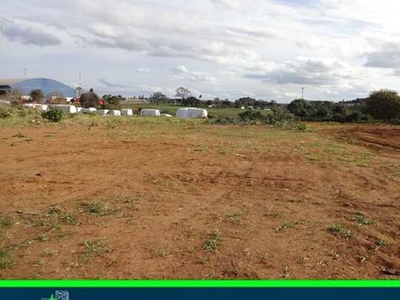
column 26, row 85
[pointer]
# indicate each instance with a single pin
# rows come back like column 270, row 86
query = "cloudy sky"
column 268, row 49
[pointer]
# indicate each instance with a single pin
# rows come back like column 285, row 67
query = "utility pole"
column 25, row 72
column 80, row 83
column 302, row 93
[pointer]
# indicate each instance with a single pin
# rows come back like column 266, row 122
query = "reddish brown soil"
column 268, row 199
column 380, row 138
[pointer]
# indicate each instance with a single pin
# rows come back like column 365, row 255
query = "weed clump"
column 98, row 208
column 339, row 229
column 54, row 114
column 5, row 111
column 95, row 248
column 381, row 243
column 361, row 219
column 213, row 243
column 6, row 260
column 284, row 226
column 5, row 221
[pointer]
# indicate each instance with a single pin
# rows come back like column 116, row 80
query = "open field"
column 97, row 197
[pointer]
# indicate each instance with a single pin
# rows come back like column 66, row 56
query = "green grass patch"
column 213, row 243
column 339, row 229
column 6, row 259
column 285, row 226
column 336, row 153
column 98, row 208
column 381, row 243
column 70, row 219
column 234, row 218
column 5, row 221
column 361, row 219
column 95, row 248
column 44, row 237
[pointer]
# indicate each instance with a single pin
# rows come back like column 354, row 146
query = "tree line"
column 184, row 97
column 381, row 105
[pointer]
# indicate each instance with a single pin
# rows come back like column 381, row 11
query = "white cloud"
column 27, row 35
column 249, row 31
column 183, row 73
column 216, row 47
column 304, row 71
column 180, row 70
column 143, row 70
column 387, row 56
column 112, row 83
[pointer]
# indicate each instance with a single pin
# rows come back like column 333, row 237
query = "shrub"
column 356, row 117
column 54, row 114
column 112, row 102
column 384, row 105
column 37, row 95
column 23, row 112
column 89, row 99
column 225, row 120
column 302, row 127
column 279, row 117
column 325, row 111
column 16, row 103
column 5, row 111
column 395, row 121
column 252, row 117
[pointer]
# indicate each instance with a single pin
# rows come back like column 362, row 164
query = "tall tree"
column 384, row 105
column 158, row 98
column 191, row 101
column 183, row 93
column 37, row 95
column 299, row 107
column 89, row 99
column 112, row 102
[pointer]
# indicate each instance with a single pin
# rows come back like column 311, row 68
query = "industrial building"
column 26, row 85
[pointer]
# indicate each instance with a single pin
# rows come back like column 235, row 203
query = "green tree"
column 191, row 101
column 216, row 102
column 383, row 105
column 226, row 103
column 299, row 107
column 158, row 98
column 183, row 93
column 340, row 112
column 112, row 102
column 246, row 102
column 37, row 95
column 54, row 114
column 89, row 99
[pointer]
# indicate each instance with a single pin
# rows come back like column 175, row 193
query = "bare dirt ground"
column 199, row 201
